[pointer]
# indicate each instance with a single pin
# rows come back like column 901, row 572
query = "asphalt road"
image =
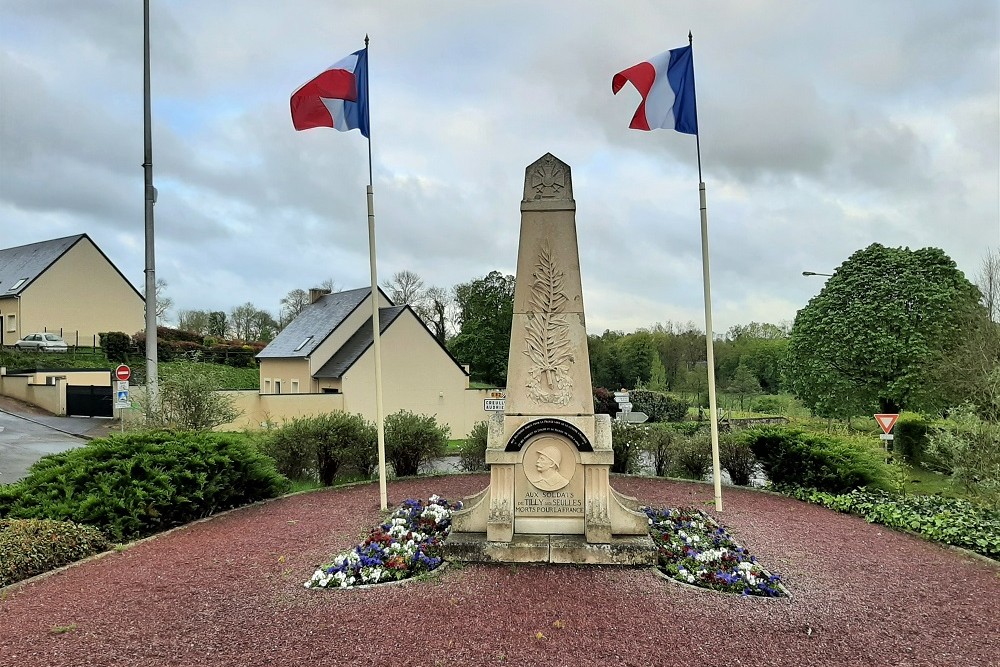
column 22, row 442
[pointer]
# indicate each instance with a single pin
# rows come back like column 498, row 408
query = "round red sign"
column 123, row 372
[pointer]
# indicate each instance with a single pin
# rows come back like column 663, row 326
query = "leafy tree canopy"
column 865, row 340
column 485, row 310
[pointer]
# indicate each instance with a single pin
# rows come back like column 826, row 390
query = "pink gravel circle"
column 229, row 592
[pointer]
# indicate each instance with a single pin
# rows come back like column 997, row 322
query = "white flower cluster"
column 688, row 539
column 711, row 555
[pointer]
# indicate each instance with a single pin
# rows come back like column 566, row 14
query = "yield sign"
column 886, row 421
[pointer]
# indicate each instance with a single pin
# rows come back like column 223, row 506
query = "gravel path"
column 229, row 592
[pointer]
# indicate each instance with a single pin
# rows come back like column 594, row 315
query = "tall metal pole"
column 152, row 393
column 376, row 327
column 709, row 334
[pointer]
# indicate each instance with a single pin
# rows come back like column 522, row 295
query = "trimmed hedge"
column 412, row 440
column 910, row 434
column 791, row 456
column 659, row 407
column 137, row 484
column 33, row 546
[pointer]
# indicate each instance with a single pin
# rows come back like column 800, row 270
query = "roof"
column 27, row 262
column 314, row 324
column 357, row 344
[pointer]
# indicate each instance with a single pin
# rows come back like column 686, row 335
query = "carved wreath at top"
column 548, row 180
column 547, row 337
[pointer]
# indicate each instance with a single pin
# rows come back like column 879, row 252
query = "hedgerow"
column 32, row 546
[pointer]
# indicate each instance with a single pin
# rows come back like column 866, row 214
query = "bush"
column 604, row 402
column 138, row 484
column 825, row 462
column 658, row 443
column 659, row 407
column 736, row 458
column 969, row 448
column 626, row 440
column 769, row 405
column 33, row 546
column 691, row 454
column 910, row 441
column 413, row 440
column 188, row 401
column 116, row 345
column 316, row 447
column 472, row 456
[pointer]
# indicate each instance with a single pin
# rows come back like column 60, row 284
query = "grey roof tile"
column 314, row 324
column 30, row 261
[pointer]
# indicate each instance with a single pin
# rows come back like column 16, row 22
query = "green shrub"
column 137, row 484
column 769, row 405
column 116, row 345
column 910, row 442
column 472, row 455
column 604, row 402
column 659, row 407
column 33, row 546
column 736, row 458
column 413, row 440
column 626, row 441
column 188, row 401
column 969, row 448
column 946, row 520
column 315, row 448
column 825, row 462
column 658, row 442
column 691, row 454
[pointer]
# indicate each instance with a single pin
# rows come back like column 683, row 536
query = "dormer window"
column 303, row 343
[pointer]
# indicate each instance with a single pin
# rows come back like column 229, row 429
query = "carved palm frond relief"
column 547, row 335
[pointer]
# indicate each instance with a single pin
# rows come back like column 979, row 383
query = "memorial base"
column 630, row 550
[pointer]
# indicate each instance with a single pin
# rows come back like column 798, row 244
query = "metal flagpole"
column 709, row 346
column 379, row 414
column 152, row 393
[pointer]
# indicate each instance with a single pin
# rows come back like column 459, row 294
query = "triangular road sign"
column 886, row 421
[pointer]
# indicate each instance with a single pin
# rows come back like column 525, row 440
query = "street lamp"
column 813, row 273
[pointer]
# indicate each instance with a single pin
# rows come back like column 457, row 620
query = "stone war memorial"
column 549, row 497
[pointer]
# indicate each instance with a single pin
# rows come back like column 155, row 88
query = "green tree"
column 485, row 311
column 864, row 341
column 744, row 384
column 657, row 375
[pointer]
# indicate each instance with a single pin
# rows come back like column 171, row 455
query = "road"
column 22, row 442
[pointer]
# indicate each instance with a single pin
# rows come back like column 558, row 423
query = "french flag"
column 666, row 83
column 337, row 98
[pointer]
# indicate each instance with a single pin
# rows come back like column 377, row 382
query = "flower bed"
column 406, row 545
column 692, row 548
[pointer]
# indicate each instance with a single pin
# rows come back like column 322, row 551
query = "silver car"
column 44, row 342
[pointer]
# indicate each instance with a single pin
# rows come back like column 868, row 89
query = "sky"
column 824, row 127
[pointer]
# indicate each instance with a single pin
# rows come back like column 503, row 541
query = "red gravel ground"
column 229, row 592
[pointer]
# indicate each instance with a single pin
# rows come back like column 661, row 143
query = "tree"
column 657, row 375
column 865, row 340
column 485, row 311
column 218, row 324
column 250, row 323
column 988, row 281
column 404, row 287
column 195, row 321
column 743, row 384
column 163, row 302
column 292, row 304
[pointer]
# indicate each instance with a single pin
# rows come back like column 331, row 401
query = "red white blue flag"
column 337, row 98
column 666, row 83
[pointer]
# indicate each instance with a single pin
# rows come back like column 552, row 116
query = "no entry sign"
column 123, row 372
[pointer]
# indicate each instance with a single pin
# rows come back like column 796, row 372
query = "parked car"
column 44, row 342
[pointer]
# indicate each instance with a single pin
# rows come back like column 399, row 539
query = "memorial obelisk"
column 549, row 498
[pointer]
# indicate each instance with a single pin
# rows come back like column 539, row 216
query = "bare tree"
column 433, row 310
column 404, row 287
column 329, row 284
column 292, row 304
column 163, row 302
column 195, row 321
column 988, row 282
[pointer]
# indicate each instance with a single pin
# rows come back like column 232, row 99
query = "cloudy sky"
column 825, row 127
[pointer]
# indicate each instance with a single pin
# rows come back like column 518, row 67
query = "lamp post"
column 813, row 273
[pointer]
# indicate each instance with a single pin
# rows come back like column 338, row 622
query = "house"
column 328, row 349
column 67, row 286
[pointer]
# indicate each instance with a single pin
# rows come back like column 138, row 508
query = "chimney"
column 316, row 293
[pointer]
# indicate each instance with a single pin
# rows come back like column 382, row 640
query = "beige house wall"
column 8, row 326
column 416, row 376
column 260, row 410
column 81, row 294
column 293, row 374
column 50, row 397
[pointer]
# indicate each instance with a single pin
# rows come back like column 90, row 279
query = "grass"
column 454, row 447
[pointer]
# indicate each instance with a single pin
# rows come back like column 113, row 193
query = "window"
column 11, row 322
column 295, row 386
column 303, row 343
column 267, row 386
column 277, row 386
column 18, row 284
